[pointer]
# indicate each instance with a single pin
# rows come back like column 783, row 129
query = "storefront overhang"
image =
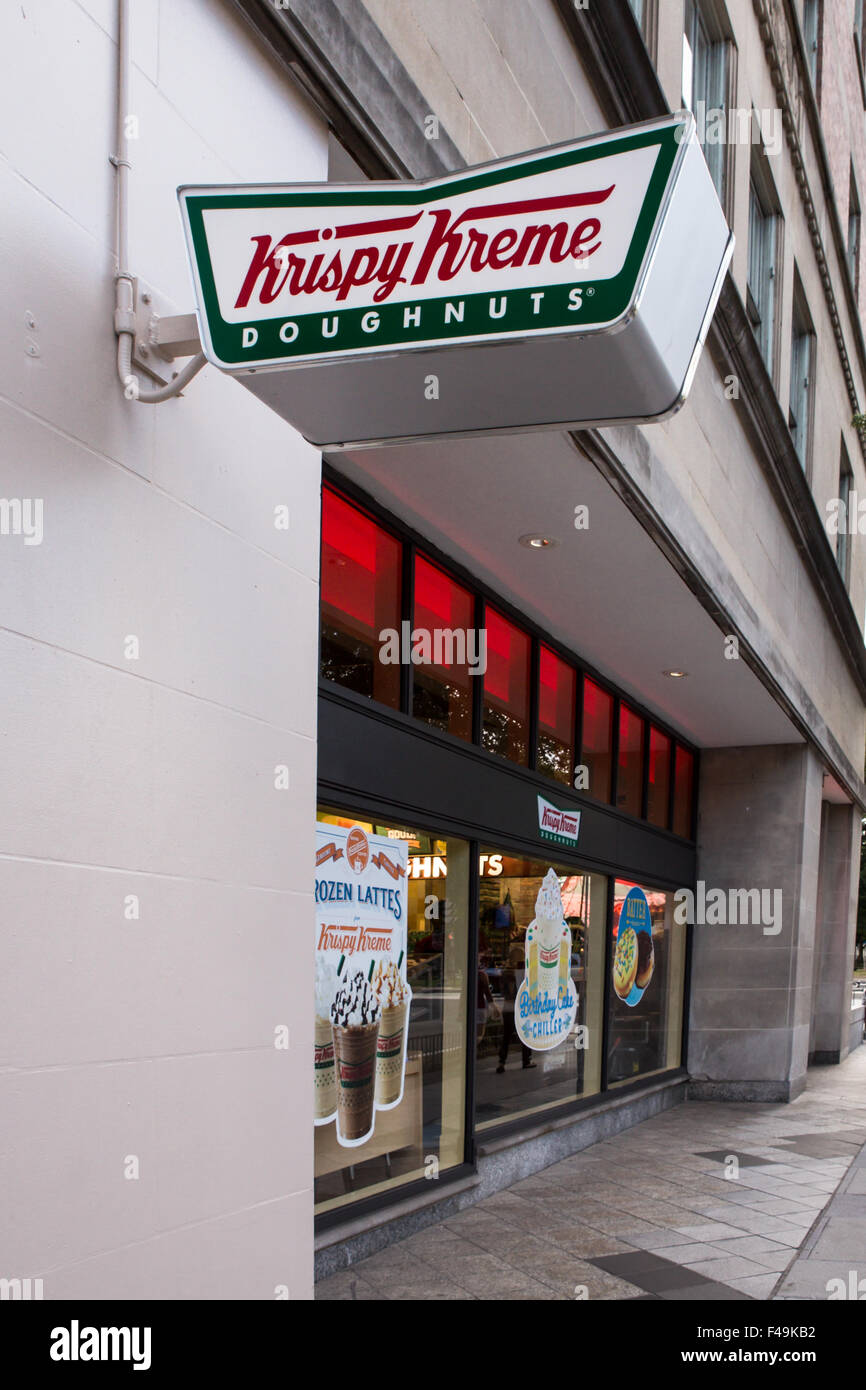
column 605, row 590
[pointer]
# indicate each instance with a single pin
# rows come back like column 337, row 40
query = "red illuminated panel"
column 597, row 741
column 659, row 785
column 360, row 598
column 684, row 778
column 442, row 689
column 629, row 778
column 557, row 689
column 506, row 689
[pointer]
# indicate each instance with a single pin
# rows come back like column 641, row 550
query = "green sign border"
column 604, row 301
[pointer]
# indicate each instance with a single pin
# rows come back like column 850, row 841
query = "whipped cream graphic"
column 355, row 1004
column 388, row 985
column 548, row 904
column 326, row 986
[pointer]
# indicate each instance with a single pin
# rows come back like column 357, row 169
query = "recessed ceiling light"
column 677, row 675
column 538, row 542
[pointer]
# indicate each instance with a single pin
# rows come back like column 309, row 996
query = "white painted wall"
column 153, row 777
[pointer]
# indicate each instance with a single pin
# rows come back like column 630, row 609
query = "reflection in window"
column 506, row 689
column 842, row 543
column 645, row 1028
column 659, row 780
column 683, row 792
column 761, row 278
column 629, row 773
column 596, row 751
column 360, row 598
column 854, row 232
column 800, row 394
column 510, row 1078
column 705, row 76
column 430, row 1117
column 557, row 686
column 442, row 694
column 811, row 37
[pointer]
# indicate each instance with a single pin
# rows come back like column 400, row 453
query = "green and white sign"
column 556, row 244
column 563, row 827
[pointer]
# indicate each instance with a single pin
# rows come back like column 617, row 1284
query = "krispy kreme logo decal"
column 554, row 824
column 300, row 264
column 544, row 243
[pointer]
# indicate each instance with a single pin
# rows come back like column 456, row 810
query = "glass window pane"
column 360, row 599
column 646, row 984
column 810, row 35
column 629, row 776
column 597, row 739
column 683, row 792
column 842, row 534
column 442, row 688
column 557, row 689
column 512, row 1077
column 761, row 275
column 426, row 940
column 506, row 689
column 659, row 784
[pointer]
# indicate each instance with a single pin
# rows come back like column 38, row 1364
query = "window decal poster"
column 546, row 1003
column 362, row 995
column 634, row 956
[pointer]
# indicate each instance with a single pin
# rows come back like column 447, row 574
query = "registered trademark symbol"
column 590, row 290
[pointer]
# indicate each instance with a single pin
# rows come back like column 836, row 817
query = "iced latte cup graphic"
column 324, row 1089
column 392, row 995
column 355, row 1025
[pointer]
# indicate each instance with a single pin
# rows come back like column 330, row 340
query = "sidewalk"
column 650, row 1213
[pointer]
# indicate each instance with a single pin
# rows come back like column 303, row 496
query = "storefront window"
column 597, row 741
column 629, row 776
column 390, row 1047
column 506, row 689
column 360, row 598
column 684, row 777
column 557, row 687
column 646, row 984
column 659, row 783
column 522, row 902
column 445, row 611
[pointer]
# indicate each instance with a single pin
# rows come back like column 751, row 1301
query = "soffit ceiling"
column 606, row 592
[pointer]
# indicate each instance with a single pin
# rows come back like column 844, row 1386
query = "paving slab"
column 648, row 1214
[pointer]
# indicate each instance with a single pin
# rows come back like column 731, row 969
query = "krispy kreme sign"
column 554, row 244
column 522, row 246
column 556, row 824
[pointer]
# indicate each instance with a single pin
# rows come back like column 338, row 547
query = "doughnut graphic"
column 625, row 962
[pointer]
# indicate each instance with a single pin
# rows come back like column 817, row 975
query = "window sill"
column 603, row 1103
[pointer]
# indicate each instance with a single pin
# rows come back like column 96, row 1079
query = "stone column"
column 837, row 919
column 759, row 821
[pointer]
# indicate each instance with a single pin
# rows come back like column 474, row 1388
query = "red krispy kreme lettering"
column 438, row 250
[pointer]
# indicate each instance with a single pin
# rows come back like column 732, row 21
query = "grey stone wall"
column 834, row 955
column 759, row 827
